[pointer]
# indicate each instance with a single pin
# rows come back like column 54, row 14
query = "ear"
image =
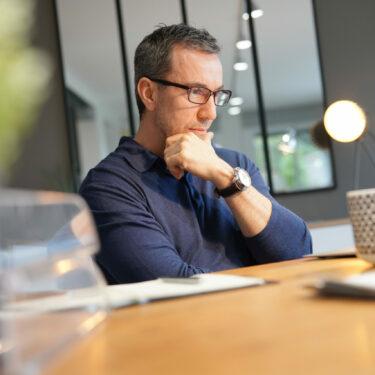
column 148, row 93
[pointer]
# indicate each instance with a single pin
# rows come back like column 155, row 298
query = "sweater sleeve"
column 286, row 235
column 134, row 247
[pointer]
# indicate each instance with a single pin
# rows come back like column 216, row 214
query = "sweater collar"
column 137, row 156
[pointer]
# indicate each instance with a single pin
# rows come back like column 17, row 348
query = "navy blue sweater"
column 151, row 224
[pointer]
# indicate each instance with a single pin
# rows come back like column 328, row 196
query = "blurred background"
column 284, row 61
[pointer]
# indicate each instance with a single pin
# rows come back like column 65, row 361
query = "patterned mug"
column 361, row 208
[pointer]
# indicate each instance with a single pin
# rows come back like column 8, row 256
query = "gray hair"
column 152, row 56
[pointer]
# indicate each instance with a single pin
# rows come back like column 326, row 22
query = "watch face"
column 244, row 178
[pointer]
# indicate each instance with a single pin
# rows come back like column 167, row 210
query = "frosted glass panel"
column 141, row 17
column 293, row 95
column 94, row 77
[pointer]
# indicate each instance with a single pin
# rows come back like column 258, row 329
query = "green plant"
column 24, row 75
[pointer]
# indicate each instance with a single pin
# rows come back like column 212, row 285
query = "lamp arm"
column 369, row 154
column 357, row 163
column 371, row 134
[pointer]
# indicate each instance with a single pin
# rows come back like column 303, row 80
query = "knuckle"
column 183, row 154
column 184, row 143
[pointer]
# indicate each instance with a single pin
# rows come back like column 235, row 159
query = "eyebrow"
column 200, row 84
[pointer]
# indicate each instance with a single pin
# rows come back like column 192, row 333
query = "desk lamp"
column 345, row 121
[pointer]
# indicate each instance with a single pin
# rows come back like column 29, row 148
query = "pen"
column 180, row 280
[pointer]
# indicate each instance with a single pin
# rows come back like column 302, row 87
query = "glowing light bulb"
column 240, row 66
column 245, row 16
column 243, row 44
column 257, row 13
column 344, row 121
column 236, row 101
column 234, row 111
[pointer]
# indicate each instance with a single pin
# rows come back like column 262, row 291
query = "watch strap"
column 227, row 192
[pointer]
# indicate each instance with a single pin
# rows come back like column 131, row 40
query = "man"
column 167, row 203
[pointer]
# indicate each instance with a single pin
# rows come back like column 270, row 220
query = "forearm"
column 272, row 232
column 251, row 209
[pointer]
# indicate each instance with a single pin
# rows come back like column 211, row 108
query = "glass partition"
column 285, row 73
column 293, row 95
column 237, row 124
column 93, row 72
column 140, row 17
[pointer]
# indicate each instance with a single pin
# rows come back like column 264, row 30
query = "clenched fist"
column 188, row 152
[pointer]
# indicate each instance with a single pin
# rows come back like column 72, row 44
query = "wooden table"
column 281, row 328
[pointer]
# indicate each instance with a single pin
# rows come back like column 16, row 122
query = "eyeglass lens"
column 200, row 95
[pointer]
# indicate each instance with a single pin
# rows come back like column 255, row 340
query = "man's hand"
column 188, row 152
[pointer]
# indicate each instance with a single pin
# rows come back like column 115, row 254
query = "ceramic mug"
column 361, row 208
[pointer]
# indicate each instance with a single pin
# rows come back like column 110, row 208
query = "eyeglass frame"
column 188, row 88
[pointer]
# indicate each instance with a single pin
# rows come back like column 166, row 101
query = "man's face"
column 174, row 113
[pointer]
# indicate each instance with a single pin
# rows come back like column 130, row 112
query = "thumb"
column 208, row 137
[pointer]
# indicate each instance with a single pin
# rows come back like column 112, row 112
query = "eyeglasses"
column 199, row 95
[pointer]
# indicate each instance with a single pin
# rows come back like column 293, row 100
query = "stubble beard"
column 162, row 127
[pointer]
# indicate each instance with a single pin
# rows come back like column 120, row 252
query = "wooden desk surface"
column 280, row 328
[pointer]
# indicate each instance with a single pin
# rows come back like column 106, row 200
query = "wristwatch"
column 241, row 181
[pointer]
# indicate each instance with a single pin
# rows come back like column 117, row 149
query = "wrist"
column 222, row 175
column 241, row 182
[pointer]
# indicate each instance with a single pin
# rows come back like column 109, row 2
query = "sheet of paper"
column 159, row 289
column 128, row 294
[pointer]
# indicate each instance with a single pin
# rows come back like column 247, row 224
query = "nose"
column 207, row 111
